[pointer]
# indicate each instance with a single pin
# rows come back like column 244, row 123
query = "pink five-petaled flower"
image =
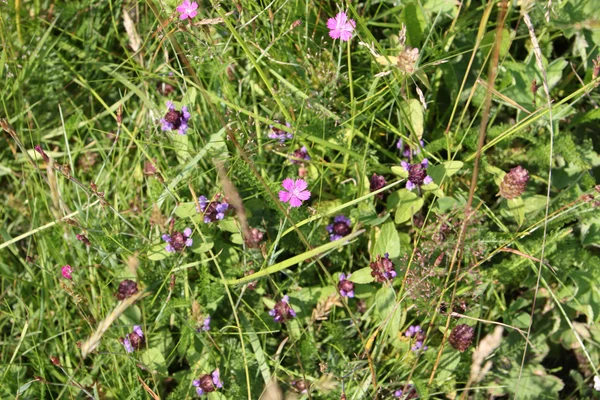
column 341, row 27
column 187, row 9
column 295, row 192
column 66, row 271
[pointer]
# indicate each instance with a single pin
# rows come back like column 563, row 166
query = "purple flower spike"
column 134, row 340
column 345, row 286
column 213, row 210
column 382, row 269
column 280, row 134
column 339, row 228
column 175, row 120
column 206, row 324
column 282, row 311
column 178, row 241
column 417, row 174
column 301, row 153
column 208, row 383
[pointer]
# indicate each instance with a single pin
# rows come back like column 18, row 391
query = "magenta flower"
column 187, row 9
column 66, row 271
column 295, row 192
column 341, row 27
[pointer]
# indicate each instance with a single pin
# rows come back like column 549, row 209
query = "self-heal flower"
column 417, row 174
column 280, row 134
column 134, row 340
column 178, row 241
column 406, row 150
column 208, row 383
column 127, row 288
column 282, row 311
column 419, row 335
column 461, row 337
column 212, row 210
column 175, row 120
column 345, row 286
column 187, row 9
column 295, row 192
column 382, row 269
column 302, row 154
column 376, row 183
column 514, row 183
column 341, row 27
column 66, row 271
column 339, row 228
column 206, row 324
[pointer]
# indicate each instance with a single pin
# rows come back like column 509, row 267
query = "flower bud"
column 513, row 184
column 461, row 337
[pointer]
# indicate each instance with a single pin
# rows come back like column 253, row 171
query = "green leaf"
column 181, row 145
column 154, row 361
column 363, row 275
column 410, row 204
column 185, row 210
column 158, row 252
column 399, row 171
column 388, row 241
column 413, row 18
column 412, row 115
column 202, row 246
column 517, row 208
column 439, row 172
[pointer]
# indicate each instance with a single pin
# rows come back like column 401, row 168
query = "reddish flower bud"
column 514, row 182
column 127, row 288
column 461, row 337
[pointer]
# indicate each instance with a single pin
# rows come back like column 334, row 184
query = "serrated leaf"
column 362, row 276
column 410, row 204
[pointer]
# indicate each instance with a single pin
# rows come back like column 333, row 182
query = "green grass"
column 85, row 81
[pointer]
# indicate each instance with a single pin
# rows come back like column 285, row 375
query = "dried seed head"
column 461, row 337
column 408, row 59
column 514, row 183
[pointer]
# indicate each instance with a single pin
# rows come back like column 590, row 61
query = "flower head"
column 280, row 134
column 341, row 27
column 408, row 392
column 301, row 386
column 295, row 192
column 206, row 324
column 339, row 228
column 383, row 268
column 213, row 210
column 178, row 241
column 175, row 120
column 282, row 311
column 66, row 271
column 208, row 383
column 376, row 183
column 134, row 340
column 345, row 286
column 187, row 9
column 461, row 337
column 301, row 153
column 514, row 183
column 406, row 149
column 127, row 288
column 417, row 174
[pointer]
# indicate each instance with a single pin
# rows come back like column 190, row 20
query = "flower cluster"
column 341, row 27
column 205, row 324
column 175, row 120
column 382, row 269
column 295, row 192
column 461, row 337
column 208, row 383
column 339, row 228
column 213, row 210
column 301, row 153
column 282, row 311
column 417, row 174
column 127, row 288
column 409, row 392
column 419, row 335
column 514, row 183
column 406, row 150
column 345, row 286
column 376, row 183
column 280, row 134
column 134, row 340
column 178, row 241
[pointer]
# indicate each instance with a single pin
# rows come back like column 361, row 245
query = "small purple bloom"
column 206, row 324
column 417, row 174
column 178, row 241
column 280, row 134
column 412, row 330
column 339, row 228
column 345, row 286
column 134, row 340
column 382, row 269
column 419, row 335
column 301, row 153
column 406, row 149
column 282, row 311
column 208, row 383
column 175, row 120
column 213, row 210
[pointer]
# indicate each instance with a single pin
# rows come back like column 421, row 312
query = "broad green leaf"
column 410, row 204
column 448, row 364
column 399, row 171
column 388, row 241
column 202, row 246
column 412, row 16
column 412, row 116
column 517, row 208
column 158, row 252
column 185, row 210
column 362, row 275
column 154, row 361
column 181, row 145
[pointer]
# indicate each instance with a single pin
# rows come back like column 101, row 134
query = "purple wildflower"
column 301, row 153
column 383, row 269
column 175, row 120
column 206, row 324
column 213, row 210
column 295, row 192
column 417, row 174
column 208, row 383
column 409, row 392
column 280, row 134
column 282, row 311
column 376, row 183
column 134, row 340
column 66, row 272
column 341, row 27
column 187, row 9
column 345, row 286
column 127, row 288
column 406, row 149
column 178, row 241
column 419, row 335
column 339, row 228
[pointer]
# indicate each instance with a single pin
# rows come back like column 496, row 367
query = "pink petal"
column 180, row 9
column 345, row 35
column 288, row 184
column 295, row 202
column 342, row 18
column 352, row 23
column 304, row 195
column 194, row 6
column 331, row 23
column 334, row 34
column 300, row 185
column 183, row 16
column 284, row 196
column 193, row 14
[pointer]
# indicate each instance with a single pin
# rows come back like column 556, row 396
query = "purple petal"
column 187, row 232
column 424, row 163
column 404, row 165
column 410, row 186
column 170, row 249
column 166, row 238
column 189, row 242
column 288, row 184
column 138, row 330
column 428, row 180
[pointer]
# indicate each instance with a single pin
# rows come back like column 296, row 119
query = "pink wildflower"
column 296, row 192
column 341, row 27
column 66, row 271
column 187, row 9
